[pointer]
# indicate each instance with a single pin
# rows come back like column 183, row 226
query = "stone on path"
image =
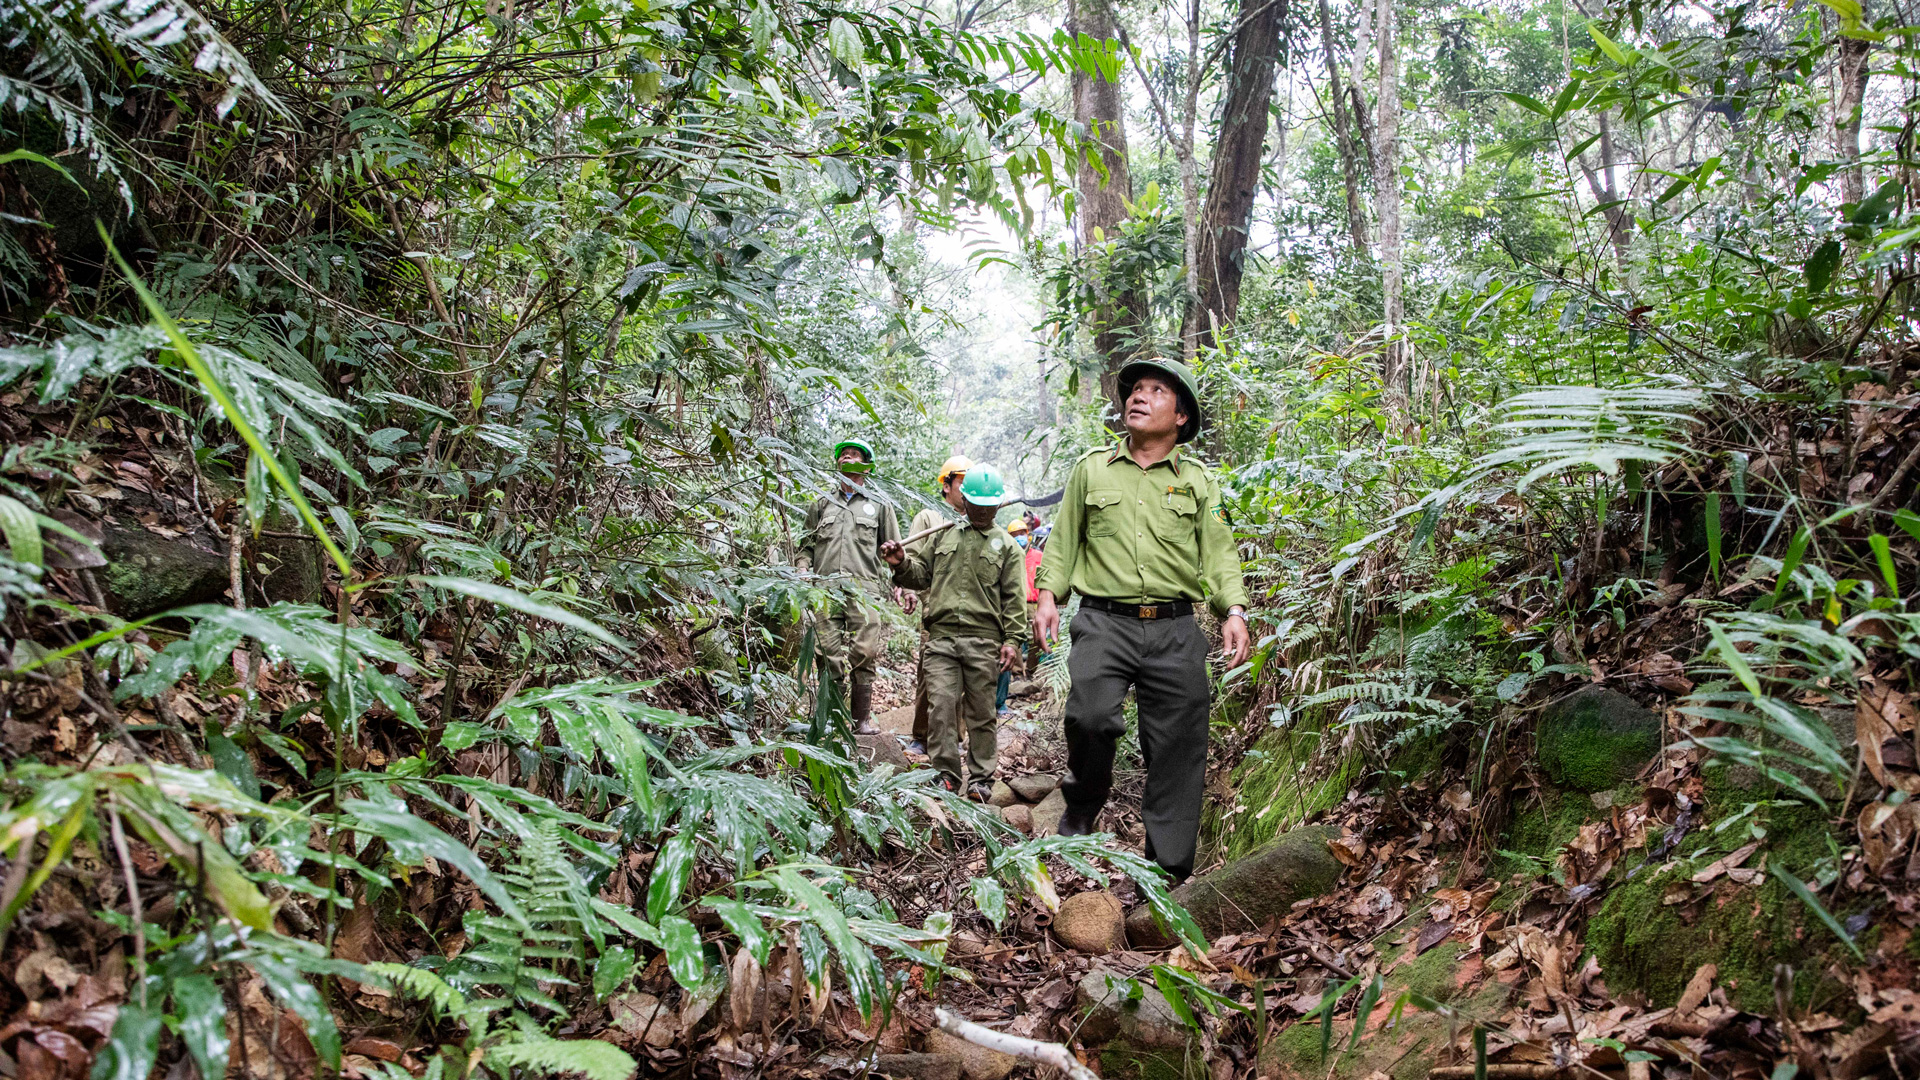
column 1112, row 1011
column 883, row 749
column 1046, row 816
column 1033, row 788
column 1022, row 687
column 1595, row 739
column 978, row 1062
column 1245, row 893
column 919, row 1066
column 1020, row 816
column 1092, row 922
column 899, row 721
column 1002, row 795
column 146, row 573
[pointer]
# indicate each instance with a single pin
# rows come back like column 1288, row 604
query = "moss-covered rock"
column 1243, row 894
column 1122, row 1060
column 1653, row 931
column 146, row 573
column 1595, row 739
column 1408, row 1049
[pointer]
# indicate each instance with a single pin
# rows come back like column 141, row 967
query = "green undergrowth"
column 1274, row 793
column 1540, row 827
column 1405, row 1051
column 1648, row 945
column 1121, row 1060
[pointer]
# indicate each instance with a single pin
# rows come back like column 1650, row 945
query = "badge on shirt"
column 867, row 509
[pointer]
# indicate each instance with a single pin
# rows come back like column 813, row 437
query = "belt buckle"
column 1149, row 612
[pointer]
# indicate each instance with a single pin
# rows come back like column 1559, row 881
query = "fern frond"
column 545, row 1056
column 422, row 984
column 1564, row 427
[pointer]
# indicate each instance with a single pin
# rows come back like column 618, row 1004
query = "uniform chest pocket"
column 1177, row 519
column 1103, row 513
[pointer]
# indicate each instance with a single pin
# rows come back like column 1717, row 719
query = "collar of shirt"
column 1124, row 449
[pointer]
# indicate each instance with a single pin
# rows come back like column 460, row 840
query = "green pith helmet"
column 983, row 486
column 1183, row 380
column 858, row 444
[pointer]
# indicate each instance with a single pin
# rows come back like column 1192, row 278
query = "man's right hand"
column 893, row 553
column 1046, row 620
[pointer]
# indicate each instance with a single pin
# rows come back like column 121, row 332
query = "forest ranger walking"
column 950, row 476
column 843, row 535
column 975, row 622
column 1142, row 535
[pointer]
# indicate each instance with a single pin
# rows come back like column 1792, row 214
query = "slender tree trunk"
column 1120, row 321
column 1849, row 91
column 1343, row 138
column 1386, row 187
column 1235, row 181
column 1190, row 172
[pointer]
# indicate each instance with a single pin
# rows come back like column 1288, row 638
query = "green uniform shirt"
column 927, row 519
column 844, row 532
column 1139, row 535
column 976, row 584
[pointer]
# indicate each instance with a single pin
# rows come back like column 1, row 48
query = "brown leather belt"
column 1159, row 609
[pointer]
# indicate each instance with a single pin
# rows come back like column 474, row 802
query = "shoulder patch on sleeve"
column 1220, row 512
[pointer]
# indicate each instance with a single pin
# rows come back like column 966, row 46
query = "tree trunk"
column 1343, row 137
column 1237, row 159
column 1190, row 177
column 1120, row 320
column 1849, row 91
column 1386, row 187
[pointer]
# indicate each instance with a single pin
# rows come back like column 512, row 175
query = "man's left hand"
column 905, row 598
column 1009, row 656
column 1234, row 640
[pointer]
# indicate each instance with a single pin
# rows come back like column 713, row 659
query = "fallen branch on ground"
column 1045, row 1053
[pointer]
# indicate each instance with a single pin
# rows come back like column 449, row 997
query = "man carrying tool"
column 843, row 535
column 975, row 623
column 1142, row 535
column 950, row 476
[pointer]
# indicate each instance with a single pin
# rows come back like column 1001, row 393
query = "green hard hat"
column 1183, row 379
column 866, row 451
column 983, row 486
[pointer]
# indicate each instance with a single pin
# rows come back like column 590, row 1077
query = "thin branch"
column 1045, row 1053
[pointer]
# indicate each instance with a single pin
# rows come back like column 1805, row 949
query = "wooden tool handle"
column 924, row 533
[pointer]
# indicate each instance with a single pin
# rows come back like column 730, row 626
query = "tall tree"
column 1386, row 186
column 1237, row 159
column 1850, row 70
column 1343, row 137
column 1105, row 186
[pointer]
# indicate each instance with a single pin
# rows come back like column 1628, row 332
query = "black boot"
column 1077, row 822
column 862, row 706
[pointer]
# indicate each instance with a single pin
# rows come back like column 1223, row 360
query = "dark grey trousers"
column 1165, row 661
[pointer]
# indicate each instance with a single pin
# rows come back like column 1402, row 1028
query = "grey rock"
column 296, row 569
column 1002, row 795
column 883, row 749
column 1047, row 815
column 1033, row 788
column 977, row 1062
column 146, row 573
column 919, row 1066
column 1020, row 816
column 1107, row 1000
column 1595, row 739
column 1022, row 688
column 1092, row 922
column 1245, row 893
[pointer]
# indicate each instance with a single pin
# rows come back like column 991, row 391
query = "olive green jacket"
column 1140, row 535
column 975, row 581
column 843, row 534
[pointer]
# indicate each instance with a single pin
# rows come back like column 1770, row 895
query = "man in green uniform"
column 975, row 620
column 1142, row 536
column 843, row 534
column 950, row 477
